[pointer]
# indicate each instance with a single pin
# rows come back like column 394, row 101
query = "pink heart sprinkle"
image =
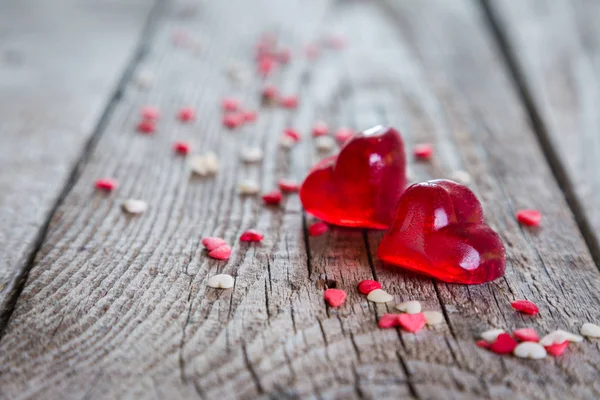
column 412, row 322
column 334, row 297
column 221, row 253
column 526, row 335
column 212, row 243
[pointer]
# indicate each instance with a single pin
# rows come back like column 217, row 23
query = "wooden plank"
column 555, row 51
column 60, row 63
column 117, row 306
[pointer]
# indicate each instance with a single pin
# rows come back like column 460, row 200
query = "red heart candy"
column 388, row 321
column 439, row 231
column 412, row 322
column 334, row 297
column 504, row 344
column 525, row 306
column 556, row 349
column 526, row 335
column 359, row 187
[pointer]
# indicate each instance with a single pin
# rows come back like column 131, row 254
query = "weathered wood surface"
column 555, row 47
column 60, row 63
column 117, row 306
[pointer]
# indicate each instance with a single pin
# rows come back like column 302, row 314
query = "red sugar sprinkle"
column 251, row 235
column 334, row 297
column 182, row 148
column 320, row 129
column 233, row 120
column 556, row 349
column 146, row 126
column 272, row 198
column 212, row 243
column 249, row 116
column 288, row 186
column 412, row 322
column 289, row 101
column 483, row 344
column 266, row 65
column 343, row 135
column 149, row 112
column 230, row 104
column 504, row 344
column 388, row 321
column 525, row 306
column 423, row 151
column 367, row 286
column 220, row 253
column 107, row 184
column 529, row 217
column 526, row 335
column 317, row 229
column 186, row 114
column 292, row 133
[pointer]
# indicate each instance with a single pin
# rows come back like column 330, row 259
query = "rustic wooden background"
column 98, row 304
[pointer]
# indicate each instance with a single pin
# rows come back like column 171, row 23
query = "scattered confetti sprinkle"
column 320, row 128
column 525, row 306
column 531, row 350
column 106, row 184
column 483, row 344
column 526, row 335
column 182, row 148
column 433, row 317
column 590, row 330
column 221, row 281
column 251, row 235
column 409, row 307
column 272, row 198
column 324, row 143
column 233, row 120
column 248, row 187
column 146, row 126
column 529, row 217
column 423, row 151
column 379, row 296
column 149, row 112
column 211, row 243
column 221, row 252
column 186, row 114
column 557, row 349
column 504, row 344
column 288, row 186
column 491, row 335
column 317, row 229
column 252, row 154
column 133, row 206
column 368, row 285
column 334, row 297
column 265, row 66
column 388, row 321
column 412, row 322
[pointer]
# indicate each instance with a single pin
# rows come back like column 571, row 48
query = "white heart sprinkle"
column 379, row 296
column 491, row 335
column 590, row 330
column 461, row 177
column 409, row 307
column 204, row 165
column 559, row 336
column 145, row 79
column 221, row 281
column 531, row 350
column 248, row 187
column 252, row 154
column 324, row 143
column 286, row 142
column 433, row 317
column 134, row 206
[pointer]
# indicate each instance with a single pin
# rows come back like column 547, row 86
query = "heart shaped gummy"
column 359, row 187
column 439, row 231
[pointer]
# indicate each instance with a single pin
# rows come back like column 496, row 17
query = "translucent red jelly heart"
column 361, row 186
column 439, row 231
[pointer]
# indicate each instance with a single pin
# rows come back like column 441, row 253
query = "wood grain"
column 60, row 63
column 555, row 50
column 117, row 306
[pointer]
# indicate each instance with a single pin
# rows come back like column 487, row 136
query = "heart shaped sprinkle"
column 334, row 297
column 232, row 120
column 433, row 317
column 289, row 101
column 559, row 336
column 211, row 243
column 182, row 148
column 204, row 165
column 343, row 135
column 531, row 350
column 248, row 187
column 491, row 335
column 252, row 154
column 388, row 321
column 525, row 306
column 379, row 296
column 133, row 206
column 288, row 186
column 423, row 151
column 150, row 113
column 317, row 229
column 146, row 126
column 529, row 217
column 186, row 114
column 367, row 286
column 526, row 335
column 106, row 184
column 292, row 134
column 221, row 252
column 590, row 330
column 320, row 129
column 409, row 307
column 221, row 281
column 272, row 198
column 324, row 143
column 504, row 344
column 230, row 104
column 557, row 349
column 412, row 322
column 251, row 235
column 483, row 344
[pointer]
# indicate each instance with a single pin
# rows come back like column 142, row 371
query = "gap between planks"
column 128, row 73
